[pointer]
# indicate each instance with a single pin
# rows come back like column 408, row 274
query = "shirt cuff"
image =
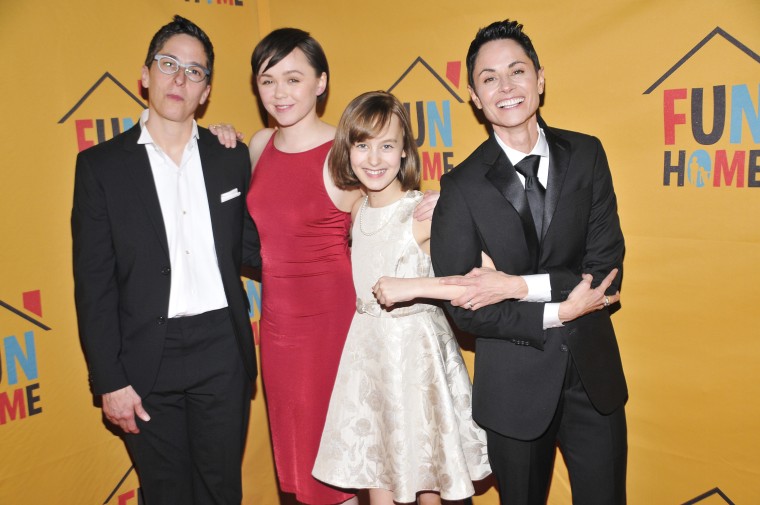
column 551, row 316
column 539, row 288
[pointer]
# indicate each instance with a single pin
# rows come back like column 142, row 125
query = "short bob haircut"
column 280, row 43
column 364, row 118
column 181, row 26
column 499, row 30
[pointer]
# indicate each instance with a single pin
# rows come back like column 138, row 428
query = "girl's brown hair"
column 366, row 117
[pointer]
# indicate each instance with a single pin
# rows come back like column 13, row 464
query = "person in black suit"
column 540, row 202
column 160, row 230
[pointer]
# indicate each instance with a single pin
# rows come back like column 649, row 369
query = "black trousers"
column 594, row 447
column 190, row 452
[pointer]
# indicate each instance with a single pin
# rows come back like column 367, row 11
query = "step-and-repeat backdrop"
column 672, row 88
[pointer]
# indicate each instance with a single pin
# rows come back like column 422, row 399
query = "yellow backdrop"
column 672, row 88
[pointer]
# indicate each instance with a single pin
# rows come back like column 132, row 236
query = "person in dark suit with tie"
column 160, row 231
column 540, row 202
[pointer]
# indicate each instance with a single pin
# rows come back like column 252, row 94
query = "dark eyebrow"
column 294, row 71
column 516, row 62
column 191, row 63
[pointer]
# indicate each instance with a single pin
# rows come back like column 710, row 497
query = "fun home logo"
column 431, row 113
column 712, row 132
column 91, row 126
column 20, row 395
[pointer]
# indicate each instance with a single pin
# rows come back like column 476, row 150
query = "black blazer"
column 122, row 271
column 520, row 367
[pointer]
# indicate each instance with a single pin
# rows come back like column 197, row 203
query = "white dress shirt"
column 539, row 285
column 196, row 283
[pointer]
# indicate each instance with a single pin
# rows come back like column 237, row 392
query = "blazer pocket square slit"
column 229, row 195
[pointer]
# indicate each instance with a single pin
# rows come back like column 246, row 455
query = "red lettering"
column 124, row 498
column 722, row 168
column 81, row 125
column 255, row 329
column 431, row 168
column 15, row 408
column 670, row 118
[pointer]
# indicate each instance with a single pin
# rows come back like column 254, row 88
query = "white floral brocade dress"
column 400, row 414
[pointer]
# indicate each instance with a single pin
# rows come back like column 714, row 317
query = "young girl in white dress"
column 400, row 421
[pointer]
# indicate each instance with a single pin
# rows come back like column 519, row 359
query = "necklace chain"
column 361, row 220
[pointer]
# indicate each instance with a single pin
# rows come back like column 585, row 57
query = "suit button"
column 160, row 320
column 563, row 348
column 166, row 270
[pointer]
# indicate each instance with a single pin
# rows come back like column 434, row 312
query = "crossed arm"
column 502, row 316
column 486, row 286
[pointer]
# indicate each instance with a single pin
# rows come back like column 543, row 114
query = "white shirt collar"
column 541, row 148
column 145, row 137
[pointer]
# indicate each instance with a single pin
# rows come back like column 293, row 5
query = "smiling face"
column 507, row 87
column 289, row 89
column 376, row 161
column 174, row 97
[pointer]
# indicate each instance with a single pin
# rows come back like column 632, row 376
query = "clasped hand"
column 486, row 286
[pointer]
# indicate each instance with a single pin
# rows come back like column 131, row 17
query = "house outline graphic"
column 717, row 31
column 420, row 61
column 26, row 317
column 106, row 75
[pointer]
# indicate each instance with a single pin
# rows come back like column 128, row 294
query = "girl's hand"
column 226, row 134
column 392, row 290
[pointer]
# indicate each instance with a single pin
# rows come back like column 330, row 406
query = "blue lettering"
column 127, row 123
column 442, row 124
column 741, row 105
column 254, row 296
column 14, row 354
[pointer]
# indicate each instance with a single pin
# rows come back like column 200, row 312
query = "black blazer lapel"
column 559, row 161
column 503, row 176
column 136, row 161
column 213, row 179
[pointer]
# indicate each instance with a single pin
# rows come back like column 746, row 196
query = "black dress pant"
column 593, row 445
column 190, row 452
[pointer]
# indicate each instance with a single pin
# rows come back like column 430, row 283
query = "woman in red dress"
column 303, row 220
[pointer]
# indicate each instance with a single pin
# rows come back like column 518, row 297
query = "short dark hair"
column 280, row 43
column 181, row 26
column 366, row 117
column 497, row 31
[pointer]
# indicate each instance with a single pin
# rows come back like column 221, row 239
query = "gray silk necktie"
column 534, row 191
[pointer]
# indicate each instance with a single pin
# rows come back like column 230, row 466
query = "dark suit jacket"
column 122, row 270
column 520, row 367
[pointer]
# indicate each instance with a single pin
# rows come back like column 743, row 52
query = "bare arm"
column 343, row 199
column 258, row 143
column 392, row 290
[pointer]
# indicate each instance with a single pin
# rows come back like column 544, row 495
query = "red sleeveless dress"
column 308, row 301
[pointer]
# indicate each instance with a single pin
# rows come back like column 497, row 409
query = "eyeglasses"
column 169, row 66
